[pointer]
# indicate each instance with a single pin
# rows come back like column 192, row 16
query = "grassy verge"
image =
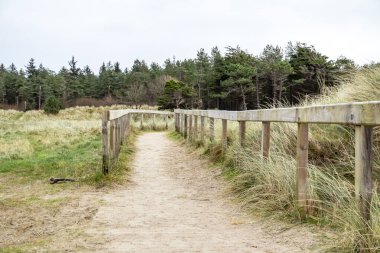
column 268, row 187
column 35, row 147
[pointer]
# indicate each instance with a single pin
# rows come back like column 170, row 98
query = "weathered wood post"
column 180, row 122
column 185, row 127
column 212, row 121
column 141, row 121
column 302, row 161
column 195, row 128
column 130, row 118
column 224, row 134
column 166, row 122
column 117, row 135
column 154, row 121
column 265, row 139
column 190, row 134
column 112, row 139
column 183, row 124
column 122, row 130
column 105, row 144
column 176, row 122
column 363, row 170
column 127, row 125
column 242, row 129
column 203, row 134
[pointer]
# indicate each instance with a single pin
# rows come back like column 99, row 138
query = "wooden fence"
column 116, row 126
column 364, row 116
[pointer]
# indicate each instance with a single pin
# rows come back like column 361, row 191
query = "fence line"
column 116, row 126
column 364, row 115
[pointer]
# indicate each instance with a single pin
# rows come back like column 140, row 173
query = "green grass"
column 35, row 147
column 76, row 160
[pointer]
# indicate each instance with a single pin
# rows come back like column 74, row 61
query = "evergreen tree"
column 240, row 70
column 277, row 70
column 176, row 95
column 312, row 71
column 203, row 67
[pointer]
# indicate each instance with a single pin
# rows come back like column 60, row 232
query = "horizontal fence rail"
column 363, row 115
column 116, row 126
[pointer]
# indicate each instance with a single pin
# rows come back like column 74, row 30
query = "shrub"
column 52, row 105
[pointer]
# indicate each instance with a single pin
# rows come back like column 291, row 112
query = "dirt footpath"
column 175, row 204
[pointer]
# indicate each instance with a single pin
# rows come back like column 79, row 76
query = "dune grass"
column 38, row 146
column 268, row 188
column 35, row 146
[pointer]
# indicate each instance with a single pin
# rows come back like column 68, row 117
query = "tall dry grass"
column 269, row 187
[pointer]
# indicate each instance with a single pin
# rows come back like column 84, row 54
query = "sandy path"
column 175, row 204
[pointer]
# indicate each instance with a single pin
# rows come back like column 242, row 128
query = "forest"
column 235, row 80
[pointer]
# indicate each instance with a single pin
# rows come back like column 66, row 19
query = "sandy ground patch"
column 176, row 204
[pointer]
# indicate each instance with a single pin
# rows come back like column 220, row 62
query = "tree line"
column 235, row 80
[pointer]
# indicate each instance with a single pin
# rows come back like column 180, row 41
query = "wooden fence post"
column 141, row 121
column 175, row 122
column 185, row 121
column 195, row 128
column 302, row 161
column 112, row 139
column 127, row 125
column 166, row 122
column 105, row 144
column 183, row 124
column 122, row 129
column 203, row 139
column 154, row 121
column 190, row 133
column 363, row 170
column 242, row 129
column 265, row 139
column 224, row 134
column 212, row 121
column 180, row 122
column 117, row 135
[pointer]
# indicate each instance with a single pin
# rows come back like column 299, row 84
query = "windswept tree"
column 240, row 70
column 312, row 71
column 217, row 75
column 277, row 70
column 176, row 95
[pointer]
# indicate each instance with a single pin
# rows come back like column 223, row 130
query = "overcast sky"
column 51, row 31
